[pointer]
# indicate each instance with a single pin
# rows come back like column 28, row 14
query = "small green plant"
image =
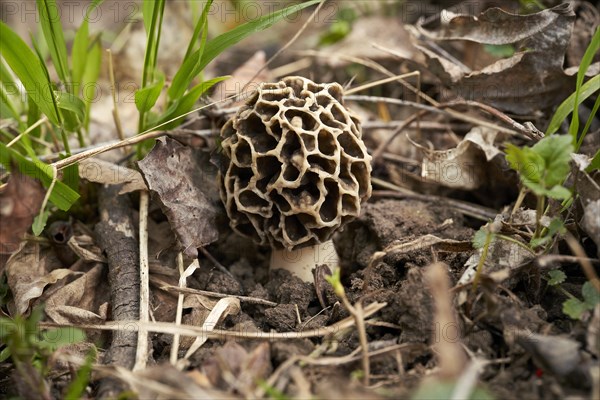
column 340, row 28
column 30, row 348
column 573, row 307
column 542, row 169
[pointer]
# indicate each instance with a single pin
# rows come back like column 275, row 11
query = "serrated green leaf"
column 49, row 14
column 574, row 308
column 480, row 238
column 28, row 68
column 145, row 98
column 591, row 296
column 558, row 192
column 194, row 64
column 556, row 277
column 526, row 162
column 556, row 152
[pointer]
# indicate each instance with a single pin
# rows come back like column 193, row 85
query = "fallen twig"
column 116, row 236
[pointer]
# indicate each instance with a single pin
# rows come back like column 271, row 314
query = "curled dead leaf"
column 100, row 171
column 462, row 167
column 532, row 79
column 182, row 182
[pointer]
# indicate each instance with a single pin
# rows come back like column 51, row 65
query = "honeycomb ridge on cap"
column 296, row 168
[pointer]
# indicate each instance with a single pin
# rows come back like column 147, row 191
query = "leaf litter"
column 407, row 259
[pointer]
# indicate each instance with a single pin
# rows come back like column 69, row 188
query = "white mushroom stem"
column 302, row 261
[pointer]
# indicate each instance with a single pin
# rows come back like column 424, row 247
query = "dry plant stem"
column 358, row 314
column 141, row 357
column 441, row 109
column 519, row 201
column 585, row 263
column 302, row 261
column 451, row 356
column 60, row 164
column 381, row 82
column 116, row 236
column 190, row 330
column 26, row 132
column 179, row 312
column 170, row 288
column 405, row 124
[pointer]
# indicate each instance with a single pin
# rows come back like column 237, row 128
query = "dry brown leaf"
column 243, row 76
column 531, row 79
column 20, row 201
column 182, row 180
column 100, row 171
column 29, row 270
column 462, row 167
column 83, row 301
column 232, row 361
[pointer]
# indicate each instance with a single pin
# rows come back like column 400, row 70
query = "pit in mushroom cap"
column 296, row 168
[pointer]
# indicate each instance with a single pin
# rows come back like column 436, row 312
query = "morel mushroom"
column 295, row 170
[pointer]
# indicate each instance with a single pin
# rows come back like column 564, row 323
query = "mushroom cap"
column 295, row 168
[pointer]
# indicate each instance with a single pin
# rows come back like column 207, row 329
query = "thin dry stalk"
column 183, row 275
column 451, row 356
column 197, row 331
column 113, row 89
column 170, row 288
column 141, row 357
column 585, row 263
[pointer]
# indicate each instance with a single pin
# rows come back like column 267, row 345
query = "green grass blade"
column 81, row 48
column 567, row 106
column 11, row 90
column 90, row 78
column 146, row 97
column 200, row 27
column 79, row 55
column 62, row 196
column 28, row 68
column 72, row 109
column 155, row 15
column 34, row 115
column 226, row 40
column 184, row 75
column 595, row 164
column 185, row 103
column 49, row 14
column 588, row 122
column 7, row 108
column 587, row 59
column 198, row 60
